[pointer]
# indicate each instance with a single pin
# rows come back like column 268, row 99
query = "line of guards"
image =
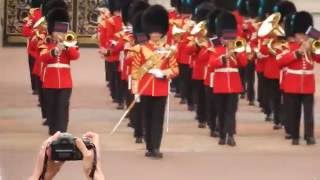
column 206, row 52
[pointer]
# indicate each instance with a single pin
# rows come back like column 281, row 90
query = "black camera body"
column 65, row 149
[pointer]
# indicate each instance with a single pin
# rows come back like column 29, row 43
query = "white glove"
column 157, row 73
column 137, row 98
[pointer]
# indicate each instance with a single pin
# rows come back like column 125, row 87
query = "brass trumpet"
column 239, row 45
column 70, row 39
column 315, row 47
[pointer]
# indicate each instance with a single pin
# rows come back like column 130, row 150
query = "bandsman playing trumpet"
column 57, row 81
column 299, row 79
column 225, row 61
column 27, row 31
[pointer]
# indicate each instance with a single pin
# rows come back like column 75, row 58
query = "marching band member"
column 185, row 54
column 213, row 41
column 136, row 114
column 272, row 70
column 57, row 81
column 299, row 80
column 265, row 9
column 199, row 33
column 153, row 66
column 27, row 31
column 250, row 27
column 225, row 61
column 112, row 47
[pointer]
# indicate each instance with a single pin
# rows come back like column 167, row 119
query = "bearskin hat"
column 287, row 25
column 114, row 5
column 211, row 21
column 36, row 3
column 242, row 7
column 229, row 5
column 56, row 15
column 266, row 8
column 50, row 4
column 136, row 7
column 201, row 12
column 253, row 8
column 155, row 19
column 301, row 21
column 225, row 21
column 125, row 11
column 285, row 8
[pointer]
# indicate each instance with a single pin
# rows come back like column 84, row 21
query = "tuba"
column 271, row 27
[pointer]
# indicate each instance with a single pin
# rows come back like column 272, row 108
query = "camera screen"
column 64, row 154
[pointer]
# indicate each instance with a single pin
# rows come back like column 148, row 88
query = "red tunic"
column 200, row 62
column 299, row 77
column 57, row 74
column 148, row 85
column 227, row 77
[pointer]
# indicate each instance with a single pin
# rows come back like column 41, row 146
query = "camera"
column 65, row 149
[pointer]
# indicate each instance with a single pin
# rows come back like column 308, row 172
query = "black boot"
column 222, row 141
column 231, row 141
column 295, row 141
column 311, row 141
column 120, row 106
column 268, row 118
column 156, row 154
column 202, row 125
column 214, row 134
column 139, row 140
column 277, row 127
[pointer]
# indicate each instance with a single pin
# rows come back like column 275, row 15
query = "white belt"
column 58, row 65
column 225, row 70
column 300, row 72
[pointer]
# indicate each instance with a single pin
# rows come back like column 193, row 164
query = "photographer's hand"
column 88, row 156
column 52, row 167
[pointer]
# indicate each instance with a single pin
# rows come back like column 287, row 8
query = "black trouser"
column 185, row 83
column 107, row 72
column 285, row 111
column 250, row 80
column 33, row 78
column 57, row 101
column 199, row 97
column 114, row 80
column 227, row 105
column 211, row 112
column 41, row 98
column 153, row 111
column 242, row 72
column 137, row 118
column 265, row 96
column 123, row 90
column 294, row 104
column 260, row 88
column 274, row 97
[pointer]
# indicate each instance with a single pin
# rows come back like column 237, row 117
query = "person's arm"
column 88, row 156
column 52, row 167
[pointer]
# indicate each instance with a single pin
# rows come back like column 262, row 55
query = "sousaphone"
column 271, row 26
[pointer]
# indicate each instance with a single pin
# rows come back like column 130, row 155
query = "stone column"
column 1, row 20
